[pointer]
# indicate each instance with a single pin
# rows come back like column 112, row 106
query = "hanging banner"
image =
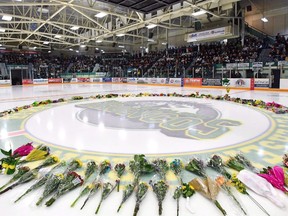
column 212, row 33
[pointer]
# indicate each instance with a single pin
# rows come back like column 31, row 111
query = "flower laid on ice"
column 107, row 190
column 245, row 162
column 226, row 186
column 39, row 153
column 234, row 164
column 177, row 194
column 73, row 165
column 285, row 160
column 208, row 188
column 126, row 194
column 196, row 166
column 141, row 192
column 216, row 163
column 91, row 168
column 23, row 150
column 177, row 166
column 275, row 175
column 21, row 172
column 120, row 169
column 160, row 188
column 71, row 181
column 161, row 168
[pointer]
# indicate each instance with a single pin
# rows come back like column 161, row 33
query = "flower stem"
column 75, row 201
column 98, row 206
column 160, row 208
column 50, row 202
column 136, row 209
column 120, row 207
column 220, row 207
column 258, row 204
column 39, row 201
column 177, row 207
column 28, row 191
column 118, row 185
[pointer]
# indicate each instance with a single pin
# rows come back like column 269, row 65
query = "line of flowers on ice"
column 271, row 106
column 63, row 178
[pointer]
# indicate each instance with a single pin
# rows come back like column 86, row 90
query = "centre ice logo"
column 180, row 119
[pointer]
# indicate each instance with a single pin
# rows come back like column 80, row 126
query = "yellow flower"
column 191, row 187
column 55, row 158
column 80, row 163
column 90, row 186
column 60, row 175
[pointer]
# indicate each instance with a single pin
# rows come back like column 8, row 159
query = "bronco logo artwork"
column 173, row 118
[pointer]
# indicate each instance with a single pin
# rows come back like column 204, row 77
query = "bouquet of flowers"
column 90, row 169
column 83, row 193
column 140, row 195
column 161, row 167
column 275, row 176
column 120, row 169
column 126, row 194
column 21, row 172
column 51, row 185
column 215, row 162
column 177, row 166
column 187, row 192
column 23, row 150
column 245, row 162
column 73, row 165
column 160, row 188
column 39, row 153
column 71, row 181
column 196, row 166
column 209, row 189
column 225, row 185
column 48, row 162
column 8, row 163
column 140, row 166
column 107, row 190
column 105, row 166
column 42, row 181
column 234, row 164
column 177, row 194
column 28, row 176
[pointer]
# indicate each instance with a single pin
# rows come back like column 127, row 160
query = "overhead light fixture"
column 46, row 42
column 57, row 36
column 71, row 49
column 198, row 13
column 150, row 26
column 77, row 51
column 74, row 28
column 98, row 41
column 151, row 40
column 82, row 45
column 101, row 15
column 2, row 30
column 120, row 35
column 6, row 17
column 164, row 43
column 34, row 47
column 0, row 45
column 121, row 46
column 49, row 51
column 264, row 19
column 43, row 10
column 97, row 48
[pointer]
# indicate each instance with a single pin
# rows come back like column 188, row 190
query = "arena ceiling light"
column 98, row 41
column 121, row 46
column 264, row 19
column 198, row 13
column 101, row 15
column 150, row 26
column 57, row 36
column 74, row 28
column 43, row 10
column 6, row 17
column 46, row 42
column 70, row 49
column 2, row 29
column 82, row 45
column 120, row 35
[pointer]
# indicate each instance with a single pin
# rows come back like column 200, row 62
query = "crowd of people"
column 172, row 62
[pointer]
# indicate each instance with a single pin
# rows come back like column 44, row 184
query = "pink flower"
column 23, row 150
column 275, row 176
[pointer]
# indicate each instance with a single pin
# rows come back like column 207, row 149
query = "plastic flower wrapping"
column 177, row 167
column 260, row 186
column 196, row 166
column 127, row 192
column 141, row 192
column 209, row 189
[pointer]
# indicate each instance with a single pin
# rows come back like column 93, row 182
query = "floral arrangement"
column 126, row 194
column 160, row 188
column 177, row 167
column 196, row 166
column 141, row 192
column 120, row 169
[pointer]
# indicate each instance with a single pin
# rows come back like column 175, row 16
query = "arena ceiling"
column 70, row 24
